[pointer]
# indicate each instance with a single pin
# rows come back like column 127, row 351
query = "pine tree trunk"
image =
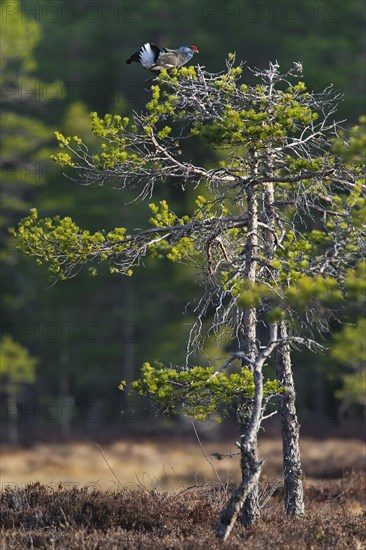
column 249, row 466
column 294, row 493
column 248, row 459
column 249, row 456
column 12, row 417
column 239, row 498
column 245, row 494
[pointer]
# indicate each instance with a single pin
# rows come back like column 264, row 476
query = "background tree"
column 25, row 139
column 349, row 351
column 17, row 369
column 276, row 238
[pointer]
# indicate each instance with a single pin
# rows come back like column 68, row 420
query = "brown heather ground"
column 168, row 497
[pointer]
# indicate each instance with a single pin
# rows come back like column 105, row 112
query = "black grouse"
column 155, row 59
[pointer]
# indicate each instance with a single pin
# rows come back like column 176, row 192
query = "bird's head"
column 195, row 49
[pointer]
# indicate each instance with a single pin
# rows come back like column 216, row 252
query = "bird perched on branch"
column 156, row 59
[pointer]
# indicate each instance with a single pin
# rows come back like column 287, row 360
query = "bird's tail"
column 147, row 55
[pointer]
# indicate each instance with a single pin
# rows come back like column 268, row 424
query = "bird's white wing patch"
column 147, row 56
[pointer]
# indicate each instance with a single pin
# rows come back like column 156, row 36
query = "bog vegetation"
column 39, row 517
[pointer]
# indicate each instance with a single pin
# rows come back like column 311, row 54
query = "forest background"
column 65, row 347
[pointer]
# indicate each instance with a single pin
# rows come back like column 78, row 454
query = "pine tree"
column 276, row 240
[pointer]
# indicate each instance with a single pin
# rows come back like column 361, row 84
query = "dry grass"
column 168, row 464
